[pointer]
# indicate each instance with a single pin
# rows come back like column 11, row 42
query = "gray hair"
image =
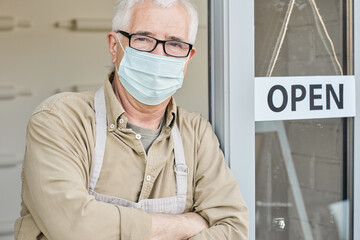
column 123, row 14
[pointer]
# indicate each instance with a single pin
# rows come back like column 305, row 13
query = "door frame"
column 232, row 90
column 356, row 183
column 231, row 71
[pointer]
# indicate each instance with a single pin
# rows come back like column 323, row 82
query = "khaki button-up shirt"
column 58, row 165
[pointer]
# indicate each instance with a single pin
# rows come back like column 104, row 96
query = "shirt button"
column 148, row 178
column 112, row 126
column 121, row 121
column 138, row 136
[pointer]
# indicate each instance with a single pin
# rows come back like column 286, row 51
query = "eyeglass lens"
column 174, row 48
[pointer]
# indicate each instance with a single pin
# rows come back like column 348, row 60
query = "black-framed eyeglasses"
column 145, row 43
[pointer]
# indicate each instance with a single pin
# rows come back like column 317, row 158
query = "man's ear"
column 192, row 53
column 112, row 42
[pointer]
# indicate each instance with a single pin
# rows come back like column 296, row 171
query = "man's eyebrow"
column 176, row 38
column 147, row 33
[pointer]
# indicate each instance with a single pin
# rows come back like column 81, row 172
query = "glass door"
column 303, row 167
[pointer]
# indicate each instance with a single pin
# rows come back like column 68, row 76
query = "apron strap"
column 100, row 139
column 180, row 168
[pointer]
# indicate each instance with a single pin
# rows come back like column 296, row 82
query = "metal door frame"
column 356, row 184
column 231, row 71
column 232, row 90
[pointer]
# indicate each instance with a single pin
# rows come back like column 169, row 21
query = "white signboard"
column 285, row 98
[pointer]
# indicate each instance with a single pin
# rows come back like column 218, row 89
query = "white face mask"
column 150, row 78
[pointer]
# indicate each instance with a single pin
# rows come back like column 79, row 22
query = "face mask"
column 150, row 78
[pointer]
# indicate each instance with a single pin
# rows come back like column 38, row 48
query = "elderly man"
column 126, row 162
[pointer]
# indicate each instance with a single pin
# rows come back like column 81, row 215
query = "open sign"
column 282, row 98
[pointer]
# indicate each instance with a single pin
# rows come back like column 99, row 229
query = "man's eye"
column 176, row 45
column 142, row 39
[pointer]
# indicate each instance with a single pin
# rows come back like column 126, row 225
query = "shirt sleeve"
column 217, row 196
column 56, row 173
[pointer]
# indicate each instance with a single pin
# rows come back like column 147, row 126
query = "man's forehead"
column 153, row 20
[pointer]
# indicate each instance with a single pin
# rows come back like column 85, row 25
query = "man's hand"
column 176, row 227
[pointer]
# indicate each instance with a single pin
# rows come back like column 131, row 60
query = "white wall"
column 41, row 60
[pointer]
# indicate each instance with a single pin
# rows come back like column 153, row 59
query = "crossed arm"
column 62, row 208
column 177, row 227
column 219, row 210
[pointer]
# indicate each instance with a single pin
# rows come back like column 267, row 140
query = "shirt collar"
column 171, row 113
column 115, row 110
